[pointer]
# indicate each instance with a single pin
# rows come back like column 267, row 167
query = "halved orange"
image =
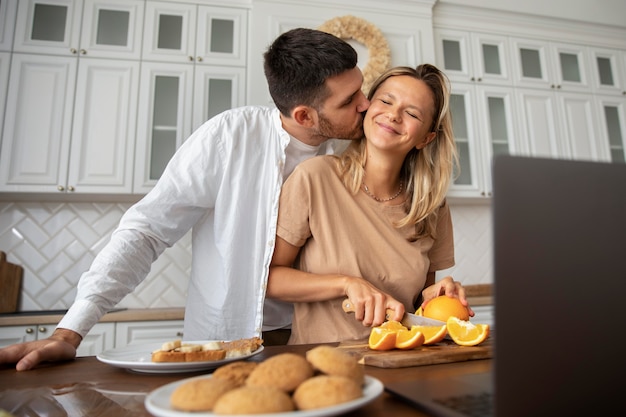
column 409, row 339
column 382, row 339
column 465, row 333
column 393, row 325
column 432, row 334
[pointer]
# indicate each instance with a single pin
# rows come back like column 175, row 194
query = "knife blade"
column 408, row 319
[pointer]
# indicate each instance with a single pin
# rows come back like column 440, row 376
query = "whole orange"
column 442, row 307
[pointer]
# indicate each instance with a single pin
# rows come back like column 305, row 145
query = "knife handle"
column 348, row 307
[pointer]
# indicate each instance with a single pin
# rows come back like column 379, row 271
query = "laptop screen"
column 560, row 286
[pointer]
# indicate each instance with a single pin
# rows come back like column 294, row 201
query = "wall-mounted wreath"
column 362, row 31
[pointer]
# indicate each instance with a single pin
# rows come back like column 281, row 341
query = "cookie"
column 326, row 391
column 333, row 361
column 235, row 371
column 200, row 394
column 284, row 371
column 254, row 400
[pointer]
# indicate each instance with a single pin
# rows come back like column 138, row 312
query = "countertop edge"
column 146, row 314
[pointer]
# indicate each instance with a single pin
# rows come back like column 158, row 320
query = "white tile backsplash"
column 56, row 242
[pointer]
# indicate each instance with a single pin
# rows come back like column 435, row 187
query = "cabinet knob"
column 190, row 58
column 29, row 330
column 73, row 51
column 179, row 334
column 624, row 93
column 43, row 329
column 480, row 79
column 473, row 79
column 552, row 86
column 60, row 188
column 199, row 59
column 83, row 52
column 558, row 87
column 71, row 188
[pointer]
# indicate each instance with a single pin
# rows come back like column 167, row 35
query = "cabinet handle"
column 480, row 79
column 179, row 334
column 60, row 188
column 73, row 51
column 472, row 79
column 199, row 59
column 552, row 86
column 558, row 87
column 29, row 330
column 190, row 58
column 83, row 52
column 71, row 188
column 43, row 329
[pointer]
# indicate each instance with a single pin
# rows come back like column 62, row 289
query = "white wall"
column 607, row 12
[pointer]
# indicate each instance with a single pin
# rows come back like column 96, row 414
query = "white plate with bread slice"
column 139, row 357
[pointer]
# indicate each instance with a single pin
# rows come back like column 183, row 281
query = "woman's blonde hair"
column 427, row 172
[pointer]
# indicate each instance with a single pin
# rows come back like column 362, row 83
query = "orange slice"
column 382, row 339
column 432, row 334
column 465, row 333
column 409, row 339
column 393, row 325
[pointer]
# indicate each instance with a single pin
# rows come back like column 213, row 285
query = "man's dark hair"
column 298, row 63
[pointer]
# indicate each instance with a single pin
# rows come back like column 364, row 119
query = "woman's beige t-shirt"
column 341, row 233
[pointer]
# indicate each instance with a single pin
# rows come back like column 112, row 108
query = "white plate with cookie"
column 139, row 358
column 158, row 402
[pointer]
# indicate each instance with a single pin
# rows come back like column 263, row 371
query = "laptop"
column 560, row 294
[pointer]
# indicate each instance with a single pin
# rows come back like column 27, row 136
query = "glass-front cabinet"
column 473, row 57
column 484, row 126
column 194, row 61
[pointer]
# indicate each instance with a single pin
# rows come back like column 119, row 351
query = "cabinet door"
column 5, row 59
column 216, row 89
column 136, row 332
column 10, row 335
column 612, row 114
column 221, row 37
column 103, row 133
column 7, row 24
column 609, row 71
column 37, row 127
column 579, row 125
column 112, row 29
column 48, row 26
column 165, row 100
column 469, row 181
column 538, row 115
column 474, row 57
column 170, row 32
column 100, row 338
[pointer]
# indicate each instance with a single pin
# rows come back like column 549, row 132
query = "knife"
column 407, row 321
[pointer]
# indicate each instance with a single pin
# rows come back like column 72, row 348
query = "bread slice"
column 241, row 347
column 176, row 351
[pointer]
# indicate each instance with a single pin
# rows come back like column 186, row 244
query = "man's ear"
column 305, row 116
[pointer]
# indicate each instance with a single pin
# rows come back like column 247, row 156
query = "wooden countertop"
column 86, row 386
column 478, row 295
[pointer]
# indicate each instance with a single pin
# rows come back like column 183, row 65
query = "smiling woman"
column 362, row 31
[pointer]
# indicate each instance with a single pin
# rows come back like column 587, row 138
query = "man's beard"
column 326, row 130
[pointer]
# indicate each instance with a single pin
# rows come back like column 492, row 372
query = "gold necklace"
column 382, row 200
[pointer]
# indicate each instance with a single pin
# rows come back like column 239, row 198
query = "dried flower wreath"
column 362, row 31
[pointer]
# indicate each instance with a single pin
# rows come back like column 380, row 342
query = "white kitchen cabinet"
column 186, row 78
column 551, row 65
column 97, row 28
column 71, row 107
column 179, row 33
column 609, row 71
column 612, row 114
column 484, row 126
column 473, row 57
column 5, row 60
column 137, row 332
column 100, row 338
column 560, row 124
column 7, row 24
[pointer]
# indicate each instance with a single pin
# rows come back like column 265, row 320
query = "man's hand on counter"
column 60, row 346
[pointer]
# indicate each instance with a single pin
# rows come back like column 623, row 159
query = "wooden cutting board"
column 10, row 284
column 443, row 352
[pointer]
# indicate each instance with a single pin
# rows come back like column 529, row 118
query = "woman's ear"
column 427, row 139
column 305, row 116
